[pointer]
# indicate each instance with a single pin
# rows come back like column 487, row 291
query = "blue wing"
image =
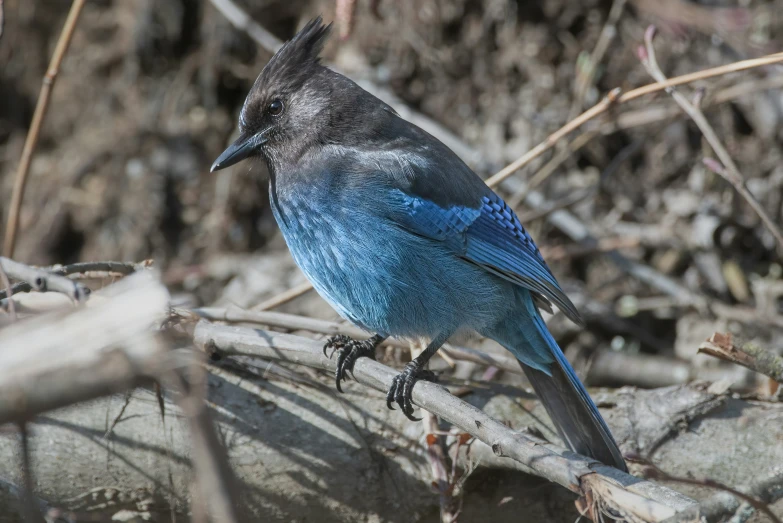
column 491, row 236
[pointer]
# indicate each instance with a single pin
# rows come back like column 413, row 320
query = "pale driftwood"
column 55, row 360
column 605, row 366
column 42, row 280
column 767, row 490
column 87, row 268
column 294, row 322
column 266, row 418
column 577, row 473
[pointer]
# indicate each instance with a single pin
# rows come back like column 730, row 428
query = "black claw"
column 412, row 417
column 401, row 388
column 335, row 342
column 349, row 350
column 339, row 372
column 390, row 395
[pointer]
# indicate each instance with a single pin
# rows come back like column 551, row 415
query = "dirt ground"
column 150, row 91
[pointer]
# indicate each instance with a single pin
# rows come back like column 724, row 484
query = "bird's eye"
column 275, row 108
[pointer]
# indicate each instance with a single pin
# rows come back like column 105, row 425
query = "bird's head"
column 291, row 103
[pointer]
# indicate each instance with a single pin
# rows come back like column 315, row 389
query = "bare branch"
column 215, row 479
column 8, row 289
column 731, row 172
column 759, row 495
column 586, row 73
column 42, row 281
column 31, row 512
column 56, row 360
column 294, row 322
column 102, row 269
column 284, row 297
column 242, row 21
column 615, row 98
column 577, row 473
column 748, row 355
column 31, row 141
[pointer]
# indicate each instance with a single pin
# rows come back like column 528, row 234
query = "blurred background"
column 656, row 249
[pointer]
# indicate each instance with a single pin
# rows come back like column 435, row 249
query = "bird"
column 401, row 237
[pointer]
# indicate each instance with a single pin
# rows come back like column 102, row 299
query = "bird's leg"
column 349, row 350
column 402, row 385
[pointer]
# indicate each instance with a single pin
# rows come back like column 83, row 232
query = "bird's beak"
column 243, row 147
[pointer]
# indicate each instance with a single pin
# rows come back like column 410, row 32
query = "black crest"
column 294, row 62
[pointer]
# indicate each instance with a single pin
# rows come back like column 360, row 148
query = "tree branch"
column 57, row 360
column 713, row 509
column 42, row 281
column 105, row 268
column 31, row 141
column 755, row 358
column 623, row 492
column 294, row 322
column 730, row 172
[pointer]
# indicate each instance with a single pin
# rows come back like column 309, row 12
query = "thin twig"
column 755, row 358
column 560, row 252
column 2, row 19
column 540, row 457
column 635, row 118
column 731, row 172
column 344, row 12
column 31, row 141
column 31, row 512
column 768, row 489
column 43, row 281
column 8, row 289
column 584, row 79
column 241, row 20
column 433, row 444
column 106, row 268
column 216, row 481
column 654, row 472
column 615, row 98
column 284, row 297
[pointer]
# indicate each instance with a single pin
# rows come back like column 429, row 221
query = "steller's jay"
column 401, row 237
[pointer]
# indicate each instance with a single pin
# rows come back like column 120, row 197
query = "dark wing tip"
column 556, row 295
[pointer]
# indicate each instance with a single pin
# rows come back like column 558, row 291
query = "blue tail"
column 566, row 400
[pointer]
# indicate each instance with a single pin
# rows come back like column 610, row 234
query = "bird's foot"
column 402, row 387
column 349, row 350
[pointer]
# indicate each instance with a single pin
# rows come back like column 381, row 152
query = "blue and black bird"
column 401, row 237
